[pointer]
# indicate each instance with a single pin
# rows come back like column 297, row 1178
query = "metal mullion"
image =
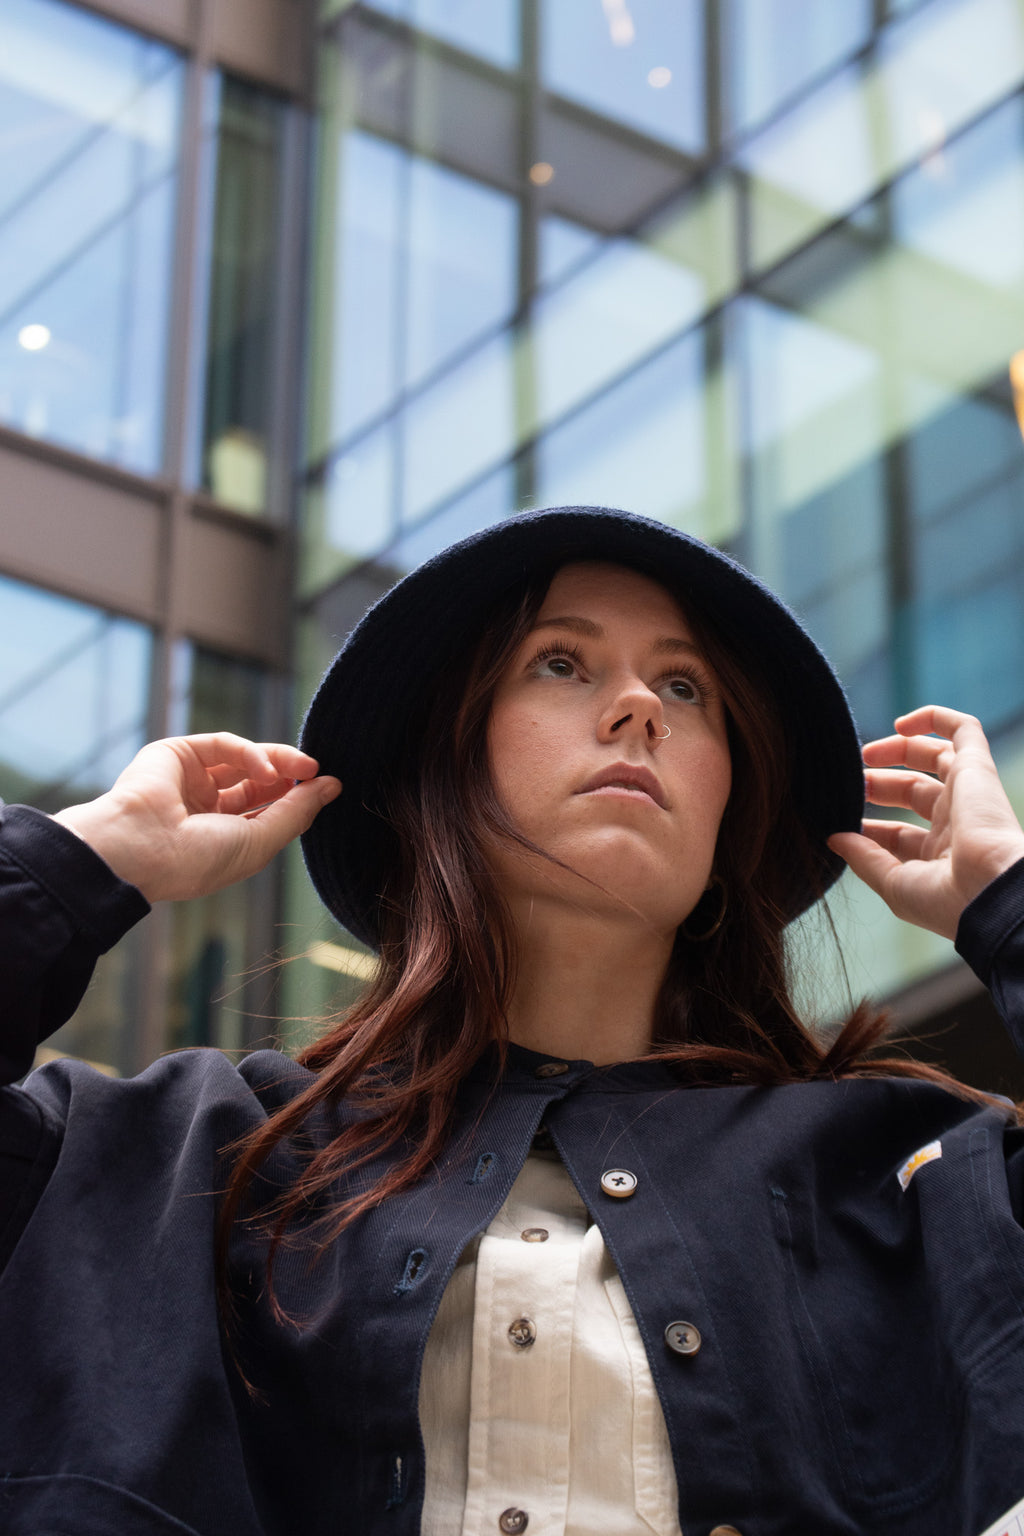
column 147, row 1039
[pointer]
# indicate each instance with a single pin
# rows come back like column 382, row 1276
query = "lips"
column 627, row 776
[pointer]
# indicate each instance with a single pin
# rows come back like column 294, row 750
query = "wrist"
column 101, row 823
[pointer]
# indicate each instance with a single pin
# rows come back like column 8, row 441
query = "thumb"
column 869, row 862
column 278, row 823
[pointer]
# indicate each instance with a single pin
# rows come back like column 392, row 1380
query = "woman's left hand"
column 929, row 874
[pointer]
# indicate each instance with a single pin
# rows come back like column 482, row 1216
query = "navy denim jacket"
column 862, row 1365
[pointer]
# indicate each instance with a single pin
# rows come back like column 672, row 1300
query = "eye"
column 557, row 661
column 686, row 688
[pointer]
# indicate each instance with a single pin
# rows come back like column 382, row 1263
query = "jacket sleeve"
column 61, row 907
column 991, row 939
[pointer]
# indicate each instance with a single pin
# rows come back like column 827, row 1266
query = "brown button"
column 619, row 1183
column 684, row 1339
column 535, row 1234
column 512, row 1520
column 523, row 1332
column 549, row 1069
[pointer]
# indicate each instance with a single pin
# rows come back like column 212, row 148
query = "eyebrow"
column 665, row 645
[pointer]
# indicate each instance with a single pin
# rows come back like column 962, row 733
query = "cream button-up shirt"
column 536, row 1400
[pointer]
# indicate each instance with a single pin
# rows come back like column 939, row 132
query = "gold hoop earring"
column 701, row 936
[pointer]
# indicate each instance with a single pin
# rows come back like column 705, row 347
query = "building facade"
column 295, row 294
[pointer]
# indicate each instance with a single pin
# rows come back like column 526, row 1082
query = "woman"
column 569, row 1225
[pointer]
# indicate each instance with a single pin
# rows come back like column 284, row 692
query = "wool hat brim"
column 369, row 712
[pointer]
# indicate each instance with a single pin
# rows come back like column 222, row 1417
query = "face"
column 608, row 748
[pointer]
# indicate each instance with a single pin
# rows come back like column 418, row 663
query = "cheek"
column 524, row 749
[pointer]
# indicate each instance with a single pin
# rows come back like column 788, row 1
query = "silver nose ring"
column 666, row 736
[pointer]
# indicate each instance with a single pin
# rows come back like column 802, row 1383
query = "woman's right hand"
column 192, row 814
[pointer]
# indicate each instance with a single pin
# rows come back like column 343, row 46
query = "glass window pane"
column 867, row 123
column 459, row 428
column 215, row 941
column 240, row 360
column 649, row 445
column 640, row 62
column 421, row 260
column 489, row 28
column 605, row 317
column 73, row 697
column 774, row 47
column 74, row 701
column 89, row 117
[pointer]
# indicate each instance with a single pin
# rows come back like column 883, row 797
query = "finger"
column 247, row 798
column 262, row 761
column 926, row 754
column 911, row 791
column 940, row 720
column 900, row 838
column 869, row 861
column 275, row 825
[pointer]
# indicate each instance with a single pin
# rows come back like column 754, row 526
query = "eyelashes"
column 693, row 677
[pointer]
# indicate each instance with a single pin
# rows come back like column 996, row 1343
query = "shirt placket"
column 520, row 1407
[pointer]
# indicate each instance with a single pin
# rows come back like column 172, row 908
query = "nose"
column 635, row 711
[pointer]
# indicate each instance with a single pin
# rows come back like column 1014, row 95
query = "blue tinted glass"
column 244, row 259
column 423, row 265
column 463, row 262
column 489, row 28
column 773, row 47
column 86, row 210
column 561, row 246
column 638, row 61
column 73, row 698
column 641, row 446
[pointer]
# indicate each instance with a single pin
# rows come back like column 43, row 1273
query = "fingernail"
column 329, row 791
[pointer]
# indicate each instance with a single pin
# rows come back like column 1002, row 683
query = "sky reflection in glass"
column 89, row 117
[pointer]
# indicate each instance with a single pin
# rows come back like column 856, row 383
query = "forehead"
column 590, row 589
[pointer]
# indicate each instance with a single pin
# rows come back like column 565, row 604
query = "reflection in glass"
column 639, row 62
column 459, row 428
column 74, row 699
column 648, row 445
column 423, row 261
column 605, row 317
column 965, row 484
column 774, row 47
column 349, row 507
column 490, row 29
column 240, row 359
column 89, row 117
column 211, row 938
column 74, row 693
column 868, row 122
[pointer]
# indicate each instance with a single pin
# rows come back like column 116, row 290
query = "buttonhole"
column 413, row 1271
column 484, row 1165
column 396, row 1481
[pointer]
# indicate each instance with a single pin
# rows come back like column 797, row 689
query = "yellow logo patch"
column 924, row 1155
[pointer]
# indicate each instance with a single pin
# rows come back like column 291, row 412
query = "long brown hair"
column 725, row 1011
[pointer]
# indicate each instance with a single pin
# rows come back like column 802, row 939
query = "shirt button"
column 547, row 1069
column 684, row 1339
column 512, row 1520
column 522, row 1333
column 535, row 1235
column 619, row 1183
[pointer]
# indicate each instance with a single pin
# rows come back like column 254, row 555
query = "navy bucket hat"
column 371, row 708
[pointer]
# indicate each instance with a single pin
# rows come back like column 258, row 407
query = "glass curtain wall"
column 752, row 267
column 69, row 663
column 140, row 181
column 239, row 434
column 89, row 128
column 221, row 973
